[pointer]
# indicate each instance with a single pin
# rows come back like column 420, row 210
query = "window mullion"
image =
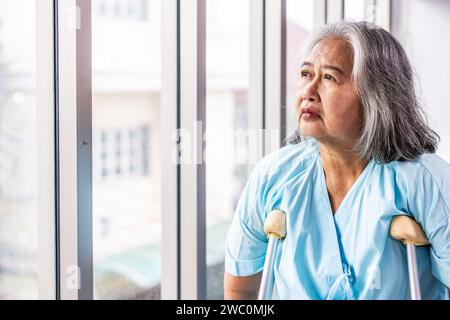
column 45, row 152
column 383, row 14
column 170, row 273
column 192, row 167
column 320, row 14
column 256, row 83
column 75, row 149
column 275, row 62
column 335, row 10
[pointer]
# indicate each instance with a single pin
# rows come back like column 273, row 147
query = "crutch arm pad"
column 275, row 224
column 408, row 231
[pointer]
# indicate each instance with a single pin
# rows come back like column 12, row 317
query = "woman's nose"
column 310, row 93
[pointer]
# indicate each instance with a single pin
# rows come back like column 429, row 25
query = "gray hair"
column 395, row 126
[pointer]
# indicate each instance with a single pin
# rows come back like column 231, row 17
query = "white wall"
column 422, row 26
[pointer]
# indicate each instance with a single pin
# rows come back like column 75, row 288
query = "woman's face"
column 328, row 107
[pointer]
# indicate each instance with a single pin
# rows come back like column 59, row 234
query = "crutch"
column 275, row 229
column 410, row 233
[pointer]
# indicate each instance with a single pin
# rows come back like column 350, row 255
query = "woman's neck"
column 341, row 170
column 340, row 165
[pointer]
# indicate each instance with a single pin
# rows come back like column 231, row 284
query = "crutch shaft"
column 414, row 282
column 411, row 234
column 267, row 279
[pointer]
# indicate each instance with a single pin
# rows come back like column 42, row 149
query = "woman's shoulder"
column 428, row 164
column 435, row 165
column 420, row 186
column 429, row 171
column 439, row 171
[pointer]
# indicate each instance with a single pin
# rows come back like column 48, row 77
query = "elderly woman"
column 362, row 153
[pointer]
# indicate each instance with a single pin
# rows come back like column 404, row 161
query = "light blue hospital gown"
column 349, row 255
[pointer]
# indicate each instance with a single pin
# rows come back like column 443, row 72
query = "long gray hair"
column 395, row 126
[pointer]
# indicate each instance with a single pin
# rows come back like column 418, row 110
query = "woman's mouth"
column 309, row 116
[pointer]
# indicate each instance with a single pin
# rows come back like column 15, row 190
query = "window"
column 127, row 193
column 377, row 12
column 123, row 9
column 358, row 10
column 127, row 150
column 18, row 144
column 299, row 25
column 227, row 56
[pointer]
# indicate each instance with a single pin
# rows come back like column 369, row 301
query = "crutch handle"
column 408, row 231
column 275, row 224
column 275, row 229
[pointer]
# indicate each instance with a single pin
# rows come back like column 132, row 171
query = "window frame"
column 382, row 12
column 274, row 74
column 334, row 10
column 192, row 77
column 170, row 149
column 74, row 130
column 46, row 160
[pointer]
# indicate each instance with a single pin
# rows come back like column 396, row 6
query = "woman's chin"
column 308, row 130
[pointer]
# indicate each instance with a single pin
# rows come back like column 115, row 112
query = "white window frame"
column 170, row 242
column 193, row 175
column 183, row 113
column 335, row 10
column 256, row 97
column 75, row 149
column 45, row 103
column 383, row 14
column 275, row 74
column 382, row 11
column 320, row 14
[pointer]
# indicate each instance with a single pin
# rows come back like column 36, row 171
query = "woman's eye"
column 304, row 74
column 328, row 77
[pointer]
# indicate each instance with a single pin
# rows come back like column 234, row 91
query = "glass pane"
column 126, row 165
column 359, row 10
column 227, row 56
column 300, row 24
column 18, row 185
